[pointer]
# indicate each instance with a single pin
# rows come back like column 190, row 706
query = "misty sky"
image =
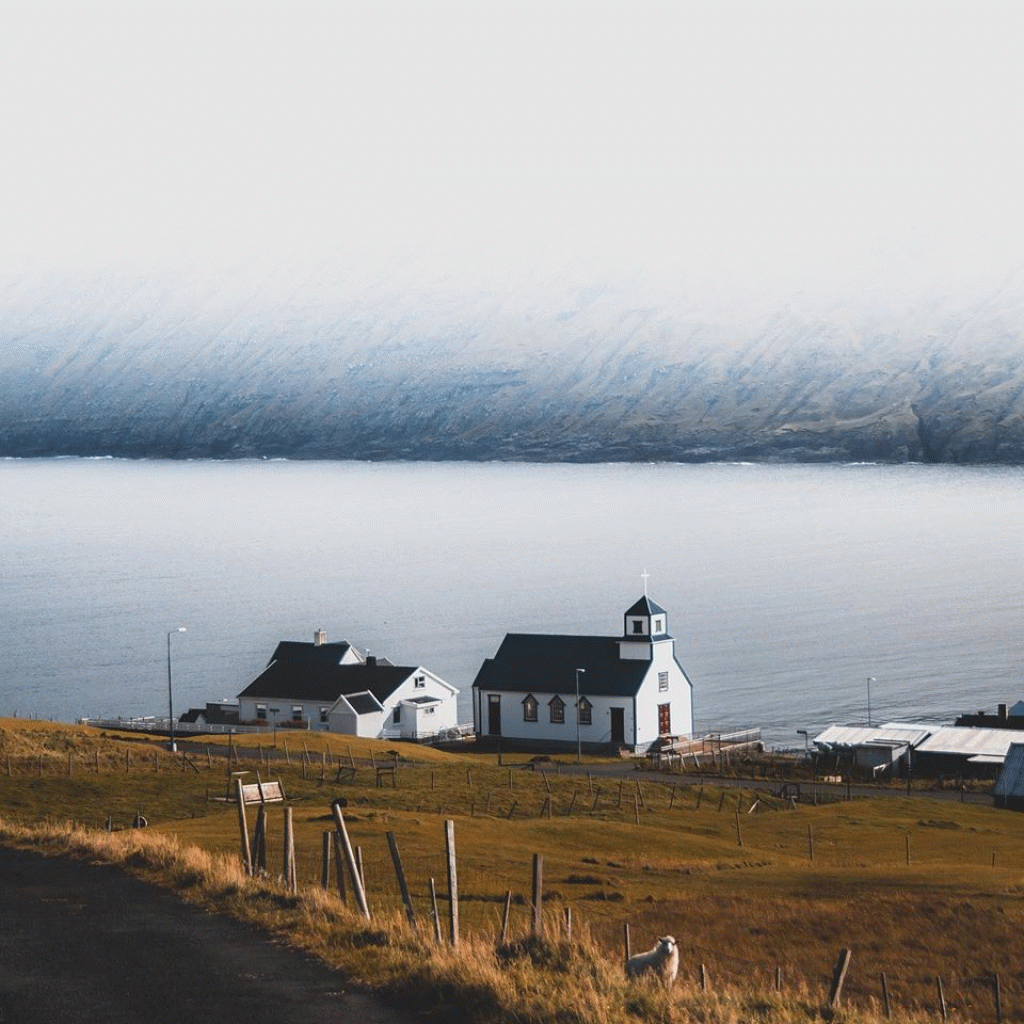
column 743, row 142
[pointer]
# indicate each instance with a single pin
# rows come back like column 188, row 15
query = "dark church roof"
column 645, row 606
column 540, row 663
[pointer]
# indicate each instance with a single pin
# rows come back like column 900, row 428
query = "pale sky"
column 682, row 140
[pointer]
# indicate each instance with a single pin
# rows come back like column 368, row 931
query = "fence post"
column 402, row 884
column 626, row 949
column 998, row 999
column 325, row 860
column 568, row 924
column 906, row 844
column 597, row 797
column 504, row 918
column 739, row 837
column 453, row 883
column 259, row 839
column 942, row 999
column 243, row 828
column 537, row 923
column 350, row 860
column 810, row 843
column 288, row 859
column 339, row 866
column 437, row 917
column 838, row 977
column 885, row 996
column 636, row 808
column 703, row 978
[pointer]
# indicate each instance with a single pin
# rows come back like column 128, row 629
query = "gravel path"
column 89, row 944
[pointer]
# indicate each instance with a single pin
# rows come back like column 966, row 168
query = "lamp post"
column 170, row 691
column 579, row 753
column 871, row 679
column 807, row 742
column 274, row 712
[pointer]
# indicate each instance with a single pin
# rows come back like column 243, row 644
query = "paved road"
column 90, row 945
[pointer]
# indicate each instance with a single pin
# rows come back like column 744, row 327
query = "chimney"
column 371, row 659
column 320, row 637
column 1002, row 712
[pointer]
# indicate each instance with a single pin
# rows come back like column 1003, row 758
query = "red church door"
column 664, row 719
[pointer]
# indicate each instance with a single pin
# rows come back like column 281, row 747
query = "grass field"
column 920, row 889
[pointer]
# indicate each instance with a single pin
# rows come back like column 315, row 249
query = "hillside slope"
column 133, row 368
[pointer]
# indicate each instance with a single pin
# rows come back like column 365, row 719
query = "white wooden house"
column 333, row 687
column 554, row 691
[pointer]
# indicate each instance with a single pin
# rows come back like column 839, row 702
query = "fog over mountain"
column 554, row 370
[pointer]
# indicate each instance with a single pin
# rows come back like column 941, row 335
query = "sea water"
column 787, row 587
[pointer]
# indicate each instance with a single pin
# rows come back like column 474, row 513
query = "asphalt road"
column 88, row 944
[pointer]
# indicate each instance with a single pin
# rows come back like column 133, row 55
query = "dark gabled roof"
column 305, row 653
column 645, row 606
column 363, row 703
column 540, row 663
column 325, row 683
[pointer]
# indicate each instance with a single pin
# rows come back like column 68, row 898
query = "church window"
column 530, row 708
column 662, row 681
column 657, row 626
column 586, row 711
column 556, row 706
column 638, row 626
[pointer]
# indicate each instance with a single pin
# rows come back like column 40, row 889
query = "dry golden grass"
column 742, row 910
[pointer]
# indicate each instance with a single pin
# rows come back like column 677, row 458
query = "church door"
column 618, row 726
column 664, row 719
column 494, row 714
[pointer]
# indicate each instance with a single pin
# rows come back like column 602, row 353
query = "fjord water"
column 786, row 586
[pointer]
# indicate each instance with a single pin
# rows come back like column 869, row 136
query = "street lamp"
column 871, row 679
column 807, row 742
column 579, row 755
column 170, row 692
column 274, row 712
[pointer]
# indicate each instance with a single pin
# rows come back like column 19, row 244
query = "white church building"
column 557, row 692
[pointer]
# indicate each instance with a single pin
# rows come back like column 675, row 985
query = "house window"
column 662, row 681
column 419, row 682
column 323, row 714
column 586, row 711
column 556, row 707
column 638, row 626
column 261, row 712
column 529, row 708
column 429, row 711
column 296, row 712
column 396, row 715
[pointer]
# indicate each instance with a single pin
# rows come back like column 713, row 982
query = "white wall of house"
column 289, row 711
column 665, row 672
column 345, row 721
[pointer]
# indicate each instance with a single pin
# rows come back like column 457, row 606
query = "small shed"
column 1008, row 791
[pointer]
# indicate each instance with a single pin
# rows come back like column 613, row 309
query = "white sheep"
column 662, row 960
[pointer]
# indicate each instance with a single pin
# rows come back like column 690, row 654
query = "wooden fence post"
column 672, row 799
column 504, row 918
column 739, row 836
column 810, row 843
column 906, row 844
column 537, row 921
column 259, row 839
column 627, row 951
column 838, row 977
column 243, row 828
column 568, row 924
column 700, row 793
column 437, row 917
column 572, row 803
column 886, row 1008
column 350, row 860
column 640, row 794
column 339, row 866
column 288, row 871
column 636, row 808
column 453, row 884
column 703, row 978
column 597, row 797
column 402, row 884
column 942, row 999
column 998, row 999
column 325, row 859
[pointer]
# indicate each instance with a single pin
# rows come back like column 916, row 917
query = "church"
column 552, row 692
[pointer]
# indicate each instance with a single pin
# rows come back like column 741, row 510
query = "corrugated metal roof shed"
column 962, row 740
column 1011, row 779
column 893, row 734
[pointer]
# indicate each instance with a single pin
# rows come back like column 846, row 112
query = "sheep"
column 662, row 960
